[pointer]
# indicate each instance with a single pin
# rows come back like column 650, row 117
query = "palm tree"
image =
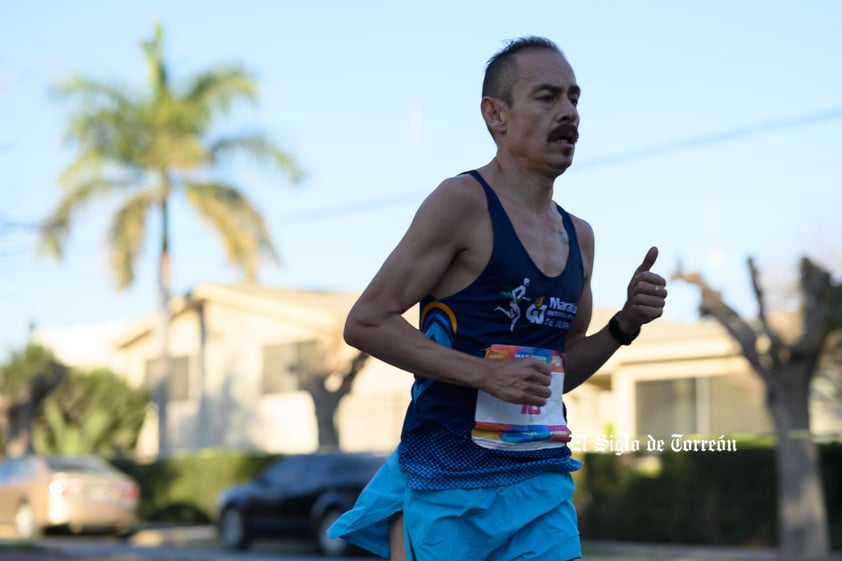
column 146, row 148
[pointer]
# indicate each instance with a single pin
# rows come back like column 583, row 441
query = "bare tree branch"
column 353, row 369
column 774, row 339
column 315, row 381
column 787, row 370
column 713, row 305
column 817, row 288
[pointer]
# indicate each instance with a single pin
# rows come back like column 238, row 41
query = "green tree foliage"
column 46, row 407
column 93, row 412
column 23, row 367
column 27, row 377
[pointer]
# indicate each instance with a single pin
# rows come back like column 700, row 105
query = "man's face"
column 541, row 125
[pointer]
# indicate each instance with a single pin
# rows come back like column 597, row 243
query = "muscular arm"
column 585, row 354
column 440, row 245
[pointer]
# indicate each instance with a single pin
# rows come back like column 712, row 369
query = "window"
column 289, row 471
column 737, row 403
column 713, row 405
column 666, row 407
column 7, row 469
column 17, row 468
column 284, row 364
column 179, row 377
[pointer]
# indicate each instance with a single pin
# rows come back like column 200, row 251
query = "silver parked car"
column 79, row 493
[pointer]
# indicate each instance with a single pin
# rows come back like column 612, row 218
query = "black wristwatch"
column 621, row 336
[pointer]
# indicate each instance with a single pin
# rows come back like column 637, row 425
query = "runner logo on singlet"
column 516, row 295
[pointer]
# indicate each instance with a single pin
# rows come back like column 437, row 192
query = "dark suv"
column 296, row 497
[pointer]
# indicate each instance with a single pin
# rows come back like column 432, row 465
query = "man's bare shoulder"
column 461, row 191
column 459, row 227
column 449, row 214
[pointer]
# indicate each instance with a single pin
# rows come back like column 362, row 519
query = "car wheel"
column 233, row 530
column 25, row 524
column 123, row 531
column 332, row 547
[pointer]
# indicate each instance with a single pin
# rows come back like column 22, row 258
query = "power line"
column 716, row 138
column 602, row 161
column 6, row 224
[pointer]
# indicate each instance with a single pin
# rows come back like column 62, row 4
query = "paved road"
column 199, row 544
column 87, row 549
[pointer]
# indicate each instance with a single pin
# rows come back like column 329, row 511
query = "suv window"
column 288, row 470
column 353, row 466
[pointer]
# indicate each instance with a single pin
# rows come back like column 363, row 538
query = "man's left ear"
column 494, row 113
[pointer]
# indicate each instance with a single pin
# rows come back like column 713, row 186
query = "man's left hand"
column 647, row 295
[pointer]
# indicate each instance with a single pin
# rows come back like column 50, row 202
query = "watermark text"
column 676, row 443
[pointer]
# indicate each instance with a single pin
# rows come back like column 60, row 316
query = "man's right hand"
column 525, row 381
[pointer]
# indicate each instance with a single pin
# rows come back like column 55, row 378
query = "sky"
column 709, row 129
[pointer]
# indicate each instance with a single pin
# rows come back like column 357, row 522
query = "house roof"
column 317, row 308
column 81, row 345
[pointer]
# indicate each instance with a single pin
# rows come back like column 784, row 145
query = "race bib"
column 503, row 425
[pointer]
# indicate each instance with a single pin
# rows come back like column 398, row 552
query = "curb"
column 152, row 536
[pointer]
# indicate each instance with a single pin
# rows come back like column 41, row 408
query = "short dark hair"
column 500, row 72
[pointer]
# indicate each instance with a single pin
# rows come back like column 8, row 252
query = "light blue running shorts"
column 532, row 520
column 367, row 524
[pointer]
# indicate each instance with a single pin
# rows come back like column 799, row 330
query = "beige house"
column 237, row 349
column 676, row 378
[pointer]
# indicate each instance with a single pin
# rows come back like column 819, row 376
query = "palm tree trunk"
column 162, row 374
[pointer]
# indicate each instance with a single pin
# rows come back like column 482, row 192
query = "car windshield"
column 331, row 467
column 356, row 466
column 77, row 464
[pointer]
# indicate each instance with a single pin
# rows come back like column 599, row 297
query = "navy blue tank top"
column 511, row 302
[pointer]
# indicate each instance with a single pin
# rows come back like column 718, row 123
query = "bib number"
column 503, row 425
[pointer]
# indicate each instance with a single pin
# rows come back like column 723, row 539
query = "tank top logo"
column 550, row 312
column 516, row 295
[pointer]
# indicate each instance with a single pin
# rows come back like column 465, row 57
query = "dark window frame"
column 283, row 365
column 180, row 387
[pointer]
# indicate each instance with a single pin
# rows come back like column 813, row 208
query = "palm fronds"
column 239, row 224
column 124, row 138
column 127, row 234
